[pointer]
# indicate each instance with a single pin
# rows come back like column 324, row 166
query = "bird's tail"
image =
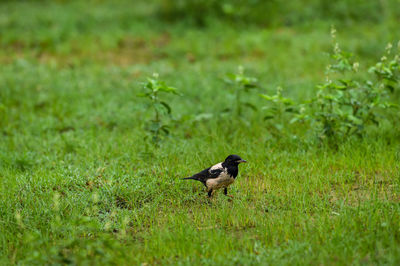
column 190, row 177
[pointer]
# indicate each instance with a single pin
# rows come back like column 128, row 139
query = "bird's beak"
column 242, row 161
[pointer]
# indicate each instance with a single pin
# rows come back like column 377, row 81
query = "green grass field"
column 79, row 183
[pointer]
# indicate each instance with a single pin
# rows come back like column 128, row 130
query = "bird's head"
column 234, row 159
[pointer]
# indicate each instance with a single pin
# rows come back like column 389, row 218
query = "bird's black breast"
column 232, row 170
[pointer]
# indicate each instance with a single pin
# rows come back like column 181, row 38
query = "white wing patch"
column 217, row 166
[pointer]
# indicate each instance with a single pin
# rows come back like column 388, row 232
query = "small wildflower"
column 240, row 70
column 388, row 48
column 328, row 67
column 384, row 58
column 356, row 66
column 333, row 32
column 279, row 90
column 155, row 75
column 328, row 80
column 337, row 48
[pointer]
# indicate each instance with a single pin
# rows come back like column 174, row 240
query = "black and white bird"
column 220, row 175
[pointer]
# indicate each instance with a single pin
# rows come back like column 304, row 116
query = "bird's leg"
column 226, row 193
column 210, row 193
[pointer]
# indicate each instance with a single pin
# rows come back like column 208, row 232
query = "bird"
column 220, row 175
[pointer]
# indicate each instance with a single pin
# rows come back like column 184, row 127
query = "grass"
column 79, row 185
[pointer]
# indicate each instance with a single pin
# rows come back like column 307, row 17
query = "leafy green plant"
column 387, row 70
column 277, row 107
column 159, row 125
column 343, row 105
column 241, row 84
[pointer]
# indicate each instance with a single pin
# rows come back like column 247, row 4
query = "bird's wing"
column 201, row 176
column 211, row 172
column 216, row 170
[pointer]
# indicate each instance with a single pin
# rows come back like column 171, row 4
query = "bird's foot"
column 230, row 198
column 209, row 201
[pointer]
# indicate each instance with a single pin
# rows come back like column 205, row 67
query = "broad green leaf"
column 251, row 106
column 267, row 97
column 267, row 117
column 166, row 106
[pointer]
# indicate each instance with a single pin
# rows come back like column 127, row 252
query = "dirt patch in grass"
column 128, row 51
